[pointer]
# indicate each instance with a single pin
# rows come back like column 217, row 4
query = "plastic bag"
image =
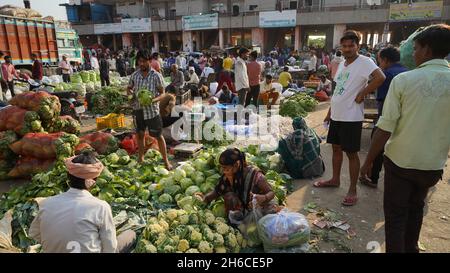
column 283, row 232
column 248, row 225
column 407, row 49
column 55, row 79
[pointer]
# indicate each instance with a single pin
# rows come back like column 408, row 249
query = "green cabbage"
column 186, row 183
column 179, row 174
column 191, row 190
column 165, row 198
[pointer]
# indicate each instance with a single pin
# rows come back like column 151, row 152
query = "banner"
column 415, row 11
column 114, row 28
column 136, row 25
column 286, row 18
column 196, row 22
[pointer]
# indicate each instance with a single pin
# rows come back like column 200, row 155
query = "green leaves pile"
column 297, row 105
column 107, row 100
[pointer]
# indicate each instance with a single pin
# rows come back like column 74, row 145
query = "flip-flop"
column 324, row 184
column 350, row 201
column 367, row 182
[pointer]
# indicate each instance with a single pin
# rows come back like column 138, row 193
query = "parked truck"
column 21, row 37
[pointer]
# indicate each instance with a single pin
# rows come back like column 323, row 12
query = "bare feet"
column 169, row 166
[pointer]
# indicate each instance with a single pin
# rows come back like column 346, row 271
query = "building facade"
column 194, row 25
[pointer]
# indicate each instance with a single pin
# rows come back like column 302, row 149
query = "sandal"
column 367, row 182
column 350, row 200
column 325, row 184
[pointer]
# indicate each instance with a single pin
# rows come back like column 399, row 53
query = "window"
column 252, row 7
column 172, row 14
column 132, row 4
column 155, row 12
column 70, row 43
column 308, row 3
column 293, row 5
column 235, row 10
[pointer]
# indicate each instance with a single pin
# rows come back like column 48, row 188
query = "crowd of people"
column 407, row 102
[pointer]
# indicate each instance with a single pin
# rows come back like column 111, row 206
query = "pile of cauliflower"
column 179, row 231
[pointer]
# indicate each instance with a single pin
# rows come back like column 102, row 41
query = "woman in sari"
column 240, row 184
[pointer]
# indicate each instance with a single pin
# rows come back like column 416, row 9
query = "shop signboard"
column 274, row 19
column 136, row 25
column 197, row 22
column 113, row 28
column 416, row 11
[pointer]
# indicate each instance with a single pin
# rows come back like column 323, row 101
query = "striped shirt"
column 153, row 83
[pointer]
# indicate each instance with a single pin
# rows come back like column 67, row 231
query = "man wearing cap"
column 75, row 221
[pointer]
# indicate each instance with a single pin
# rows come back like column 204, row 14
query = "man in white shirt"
column 346, row 113
column 181, row 61
column 65, row 69
column 312, row 63
column 206, row 71
column 269, row 95
column 94, row 62
column 240, row 74
column 193, row 78
column 292, row 60
column 112, row 63
column 324, row 85
column 76, row 221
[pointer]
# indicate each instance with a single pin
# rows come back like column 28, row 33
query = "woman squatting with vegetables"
column 76, row 221
column 240, row 183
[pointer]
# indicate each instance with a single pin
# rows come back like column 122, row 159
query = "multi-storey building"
column 198, row 24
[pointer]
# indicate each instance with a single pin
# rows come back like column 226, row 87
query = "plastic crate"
column 182, row 98
column 111, row 121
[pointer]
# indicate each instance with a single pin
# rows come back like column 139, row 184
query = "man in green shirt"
column 415, row 130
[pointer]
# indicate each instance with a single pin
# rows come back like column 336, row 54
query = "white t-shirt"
column 350, row 80
column 312, row 63
column 292, row 60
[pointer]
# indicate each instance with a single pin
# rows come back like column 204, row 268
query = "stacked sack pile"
column 33, row 135
column 15, row 11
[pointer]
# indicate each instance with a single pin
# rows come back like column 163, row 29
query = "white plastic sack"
column 287, row 94
column 7, row 95
column 277, row 86
column 55, row 79
column 6, row 233
column 213, row 88
column 284, row 232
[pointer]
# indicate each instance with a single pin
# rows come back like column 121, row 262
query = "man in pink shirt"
column 254, row 75
column 8, row 74
column 155, row 62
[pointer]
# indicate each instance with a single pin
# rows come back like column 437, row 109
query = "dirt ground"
column 366, row 218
